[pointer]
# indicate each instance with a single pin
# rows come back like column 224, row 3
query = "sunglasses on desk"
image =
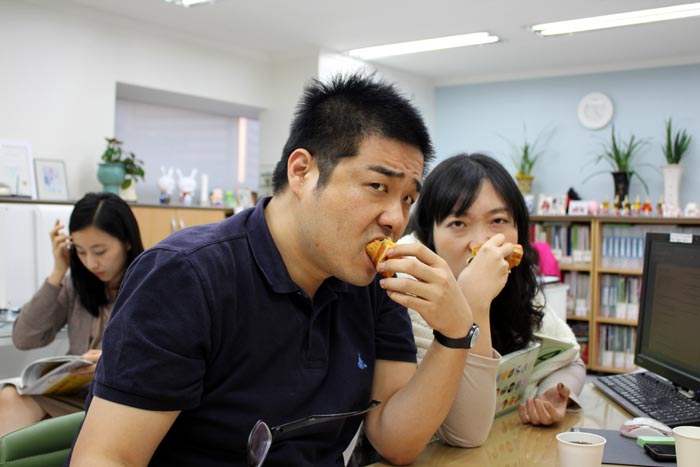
column 262, row 436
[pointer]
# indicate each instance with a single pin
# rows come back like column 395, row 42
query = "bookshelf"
column 601, row 259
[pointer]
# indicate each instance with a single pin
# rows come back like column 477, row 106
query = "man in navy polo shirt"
column 277, row 313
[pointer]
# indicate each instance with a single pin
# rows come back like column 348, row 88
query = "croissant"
column 376, row 249
column 513, row 259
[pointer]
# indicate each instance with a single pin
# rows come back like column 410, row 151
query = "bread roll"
column 376, row 249
column 513, row 259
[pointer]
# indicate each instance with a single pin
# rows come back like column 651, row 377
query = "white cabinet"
column 25, row 248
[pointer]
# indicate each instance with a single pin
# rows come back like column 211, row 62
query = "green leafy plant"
column 676, row 145
column 133, row 167
column 620, row 155
column 526, row 155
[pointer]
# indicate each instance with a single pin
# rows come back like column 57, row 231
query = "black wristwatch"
column 462, row 343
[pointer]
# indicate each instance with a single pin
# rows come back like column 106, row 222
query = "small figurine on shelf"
column 617, row 206
column 647, row 209
column 660, row 206
column 605, row 207
column 230, row 200
column 186, row 185
column 636, row 206
column 626, row 206
column 166, row 184
column 216, row 198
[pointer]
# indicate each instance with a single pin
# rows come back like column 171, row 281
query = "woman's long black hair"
column 452, row 187
column 109, row 213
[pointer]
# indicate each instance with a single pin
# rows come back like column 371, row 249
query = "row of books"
column 570, row 243
column 578, row 301
column 623, row 244
column 616, row 346
column 619, row 296
column 580, row 329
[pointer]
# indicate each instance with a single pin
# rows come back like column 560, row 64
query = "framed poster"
column 16, row 174
column 51, row 181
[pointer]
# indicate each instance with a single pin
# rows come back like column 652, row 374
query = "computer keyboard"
column 645, row 395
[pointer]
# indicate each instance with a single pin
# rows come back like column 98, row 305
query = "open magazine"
column 51, row 376
column 516, row 368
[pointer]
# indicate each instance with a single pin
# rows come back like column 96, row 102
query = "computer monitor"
column 668, row 333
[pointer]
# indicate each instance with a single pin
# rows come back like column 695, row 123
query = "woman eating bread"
column 470, row 202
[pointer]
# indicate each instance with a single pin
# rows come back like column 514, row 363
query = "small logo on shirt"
column 360, row 363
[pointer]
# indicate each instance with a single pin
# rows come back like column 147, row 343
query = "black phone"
column 661, row 452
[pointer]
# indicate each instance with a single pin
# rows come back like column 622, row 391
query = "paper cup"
column 579, row 449
column 687, row 445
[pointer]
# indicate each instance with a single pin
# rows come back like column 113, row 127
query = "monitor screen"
column 668, row 334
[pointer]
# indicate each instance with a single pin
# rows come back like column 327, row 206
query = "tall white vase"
column 672, row 184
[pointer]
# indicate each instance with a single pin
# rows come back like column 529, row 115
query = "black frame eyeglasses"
column 261, row 436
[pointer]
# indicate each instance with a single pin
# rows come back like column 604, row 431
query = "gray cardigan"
column 47, row 312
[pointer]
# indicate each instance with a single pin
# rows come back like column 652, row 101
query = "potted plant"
column 525, row 156
column 675, row 147
column 119, row 171
column 621, row 156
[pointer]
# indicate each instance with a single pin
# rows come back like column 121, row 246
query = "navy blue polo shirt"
column 209, row 323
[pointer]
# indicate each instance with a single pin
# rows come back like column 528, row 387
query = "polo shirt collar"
column 269, row 259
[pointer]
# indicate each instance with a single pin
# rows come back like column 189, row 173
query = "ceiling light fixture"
column 426, row 45
column 617, row 20
column 189, row 3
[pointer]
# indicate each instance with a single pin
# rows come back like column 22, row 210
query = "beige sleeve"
column 42, row 317
column 469, row 421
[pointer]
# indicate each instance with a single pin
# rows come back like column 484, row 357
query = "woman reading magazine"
column 104, row 239
column 472, row 199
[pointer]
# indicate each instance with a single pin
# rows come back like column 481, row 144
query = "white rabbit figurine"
column 186, row 185
column 166, row 184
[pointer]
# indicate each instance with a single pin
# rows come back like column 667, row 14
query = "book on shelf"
column 51, row 376
column 516, row 369
column 616, row 346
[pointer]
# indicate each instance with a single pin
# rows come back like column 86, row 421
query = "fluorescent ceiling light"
column 620, row 19
column 426, row 45
column 189, row 3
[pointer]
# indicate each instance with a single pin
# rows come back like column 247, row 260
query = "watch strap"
column 459, row 343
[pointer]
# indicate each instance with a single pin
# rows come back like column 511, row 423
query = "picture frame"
column 579, row 207
column 245, row 197
column 51, row 182
column 552, row 204
column 16, row 174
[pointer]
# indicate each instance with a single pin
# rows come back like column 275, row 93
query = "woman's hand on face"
column 433, row 292
column 60, row 246
column 486, row 273
column 92, row 355
column 548, row 408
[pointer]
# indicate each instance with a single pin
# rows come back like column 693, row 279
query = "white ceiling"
column 272, row 29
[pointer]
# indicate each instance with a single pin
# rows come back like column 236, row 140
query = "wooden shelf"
column 576, row 267
column 596, row 269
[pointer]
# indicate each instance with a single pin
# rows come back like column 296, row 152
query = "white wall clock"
column 595, row 110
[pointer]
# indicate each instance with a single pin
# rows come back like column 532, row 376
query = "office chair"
column 43, row 444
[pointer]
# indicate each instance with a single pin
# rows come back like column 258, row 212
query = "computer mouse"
column 644, row 426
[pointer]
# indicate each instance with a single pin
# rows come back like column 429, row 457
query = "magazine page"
column 52, row 375
column 513, row 375
column 16, row 382
column 551, row 347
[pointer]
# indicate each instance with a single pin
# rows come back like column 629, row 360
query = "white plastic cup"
column 580, row 449
column 687, row 445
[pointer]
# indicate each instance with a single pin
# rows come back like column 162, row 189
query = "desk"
column 512, row 444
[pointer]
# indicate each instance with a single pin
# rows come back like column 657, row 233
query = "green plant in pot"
column 118, row 170
column 525, row 156
column 676, row 145
column 620, row 155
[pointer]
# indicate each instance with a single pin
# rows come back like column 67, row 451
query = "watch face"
column 475, row 336
column 595, row 110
